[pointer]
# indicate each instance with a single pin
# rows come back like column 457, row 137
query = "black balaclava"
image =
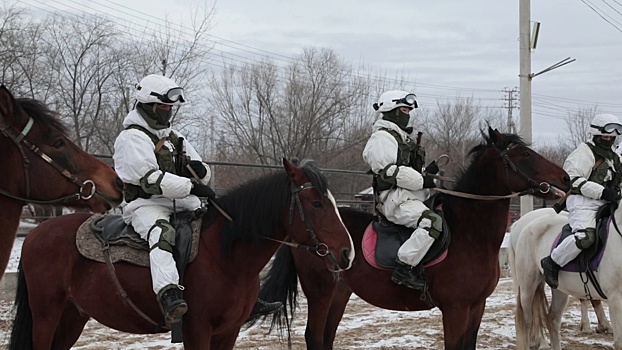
column 398, row 117
column 156, row 118
column 603, row 147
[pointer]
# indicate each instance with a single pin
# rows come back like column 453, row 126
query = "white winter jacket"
column 579, row 165
column 134, row 155
column 381, row 151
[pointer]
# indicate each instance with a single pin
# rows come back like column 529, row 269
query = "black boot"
column 407, row 276
column 551, row 271
column 264, row 308
column 173, row 306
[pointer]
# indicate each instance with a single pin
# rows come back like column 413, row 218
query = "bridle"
column 542, row 187
column 320, row 248
column 87, row 188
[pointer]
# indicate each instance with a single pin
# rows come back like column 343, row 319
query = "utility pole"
column 524, row 39
column 510, row 106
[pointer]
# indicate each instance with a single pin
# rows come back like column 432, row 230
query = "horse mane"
column 258, row 206
column 41, row 114
column 470, row 174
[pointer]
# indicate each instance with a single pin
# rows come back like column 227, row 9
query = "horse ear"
column 7, row 102
column 493, row 135
column 296, row 175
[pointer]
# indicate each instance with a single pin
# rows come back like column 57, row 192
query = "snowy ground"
column 363, row 327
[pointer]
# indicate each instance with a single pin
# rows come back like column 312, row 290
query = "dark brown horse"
column 458, row 285
column 59, row 290
column 41, row 165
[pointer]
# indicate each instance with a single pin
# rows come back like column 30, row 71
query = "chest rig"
column 408, row 154
column 166, row 161
column 599, row 172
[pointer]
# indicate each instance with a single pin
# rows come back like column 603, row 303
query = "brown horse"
column 41, row 165
column 459, row 285
column 59, row 290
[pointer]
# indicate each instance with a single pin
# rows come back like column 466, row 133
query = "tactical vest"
column 599, row 173
column 165, row 158
column 408, row 154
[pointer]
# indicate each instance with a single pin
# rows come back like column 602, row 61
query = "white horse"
column 531, row 237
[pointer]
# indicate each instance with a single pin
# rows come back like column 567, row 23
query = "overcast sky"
column 445, row 48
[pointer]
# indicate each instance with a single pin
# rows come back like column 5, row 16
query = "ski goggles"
column 171, row 96
column 609, row 128
column 410, row 99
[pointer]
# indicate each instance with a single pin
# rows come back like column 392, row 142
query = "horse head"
column 49, row 168
column 525, row 171
column 313, row 219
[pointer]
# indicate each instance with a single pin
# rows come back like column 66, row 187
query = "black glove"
column 198, row 168
column 200, row 190
column 610, row 194
column 432, row 168
column 428, row 182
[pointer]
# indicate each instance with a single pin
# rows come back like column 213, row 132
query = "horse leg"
column 584, row 326
column 475, row 319
column 70, row 327
column 337, row 308
column 603, row 323
column 455, row 327
column 615, row 313
column 222, row 341
column 559, row 300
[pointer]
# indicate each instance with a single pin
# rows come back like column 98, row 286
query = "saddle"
column 382, row 239
column 109, row 233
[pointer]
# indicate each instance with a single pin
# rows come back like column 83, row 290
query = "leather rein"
column 320, row 248
column 542, row 187
column 86, row 190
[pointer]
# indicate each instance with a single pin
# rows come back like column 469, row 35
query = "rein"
column 542, row 187
column 19, row 140
column 320, row 248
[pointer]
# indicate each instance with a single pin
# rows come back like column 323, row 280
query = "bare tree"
column 578, row 123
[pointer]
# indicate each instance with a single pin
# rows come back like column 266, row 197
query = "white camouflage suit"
column 402, row 205
column 133, row 157
column 581, row 207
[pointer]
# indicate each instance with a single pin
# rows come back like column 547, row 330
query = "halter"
column 321, row 249
column 19, row 140
column 543, row 187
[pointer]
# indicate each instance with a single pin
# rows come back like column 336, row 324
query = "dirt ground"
column 363, row 327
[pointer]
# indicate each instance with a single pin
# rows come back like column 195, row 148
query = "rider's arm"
column 136, row 163
column 579, row 166
column 381, row 154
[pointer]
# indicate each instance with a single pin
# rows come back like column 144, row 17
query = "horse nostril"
column 345, row 255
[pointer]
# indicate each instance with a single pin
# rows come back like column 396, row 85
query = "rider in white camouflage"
column 402, row 184
column 595, row 171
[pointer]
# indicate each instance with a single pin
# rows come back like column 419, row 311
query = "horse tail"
column 280, row 284
column 519, row 322
column 21, row 332
column 540, row 314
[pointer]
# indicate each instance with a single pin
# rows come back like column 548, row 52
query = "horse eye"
column 58, row 144
column 525, row 154
column 317, row 204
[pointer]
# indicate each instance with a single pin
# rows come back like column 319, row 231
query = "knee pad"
column 167, row 237
column 586, row 239
column 431, row 222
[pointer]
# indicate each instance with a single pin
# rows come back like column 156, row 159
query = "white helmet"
column 605, row 124
column 393, row 99
column 159, row 89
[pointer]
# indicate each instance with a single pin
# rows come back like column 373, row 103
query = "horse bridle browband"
column 20, row 139
column 320, row 248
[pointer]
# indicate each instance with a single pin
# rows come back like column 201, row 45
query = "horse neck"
column 9, row 222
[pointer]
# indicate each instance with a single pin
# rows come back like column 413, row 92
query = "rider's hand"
column 198, row 167
column 200, row 190
column 432, row 168
column 428, row 182
column 610, row 194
